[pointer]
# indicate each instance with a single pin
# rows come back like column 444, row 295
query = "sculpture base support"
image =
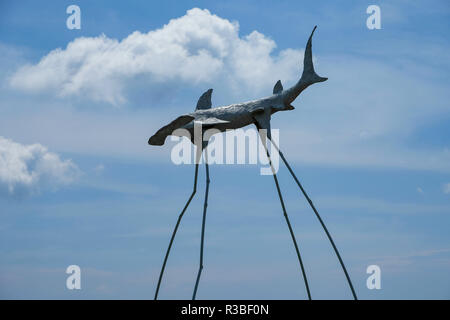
column 175, row 231
column 319, row 218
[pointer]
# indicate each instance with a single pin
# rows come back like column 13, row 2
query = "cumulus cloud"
column 198, row 47
column 366, row 114
column 28, row 169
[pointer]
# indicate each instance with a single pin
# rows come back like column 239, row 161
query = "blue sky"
column 79, row 184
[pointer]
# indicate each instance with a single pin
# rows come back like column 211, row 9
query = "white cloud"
column 27, row 169
column 198, row 47
column 367, row 114
column 446, row 188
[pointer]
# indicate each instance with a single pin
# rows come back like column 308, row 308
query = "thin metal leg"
column 200, row 268
column 319, row 218
column 175, row 231
column 287, row 220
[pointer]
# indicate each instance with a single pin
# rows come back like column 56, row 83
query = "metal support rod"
column 319, row 218
column 200, row 268
column 287, row 219
column 175, row 231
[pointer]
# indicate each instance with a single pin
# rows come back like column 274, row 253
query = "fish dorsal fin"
column 278, row 87
column 204, row 102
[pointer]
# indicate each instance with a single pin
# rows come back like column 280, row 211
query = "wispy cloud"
column 446, row 188
column 399, row 262
column 380, row 206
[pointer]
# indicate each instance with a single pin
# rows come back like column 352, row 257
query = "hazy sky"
column 80, row 185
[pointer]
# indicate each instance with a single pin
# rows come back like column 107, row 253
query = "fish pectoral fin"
column 257, row 110
column 206, row 122
column 213, row 121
